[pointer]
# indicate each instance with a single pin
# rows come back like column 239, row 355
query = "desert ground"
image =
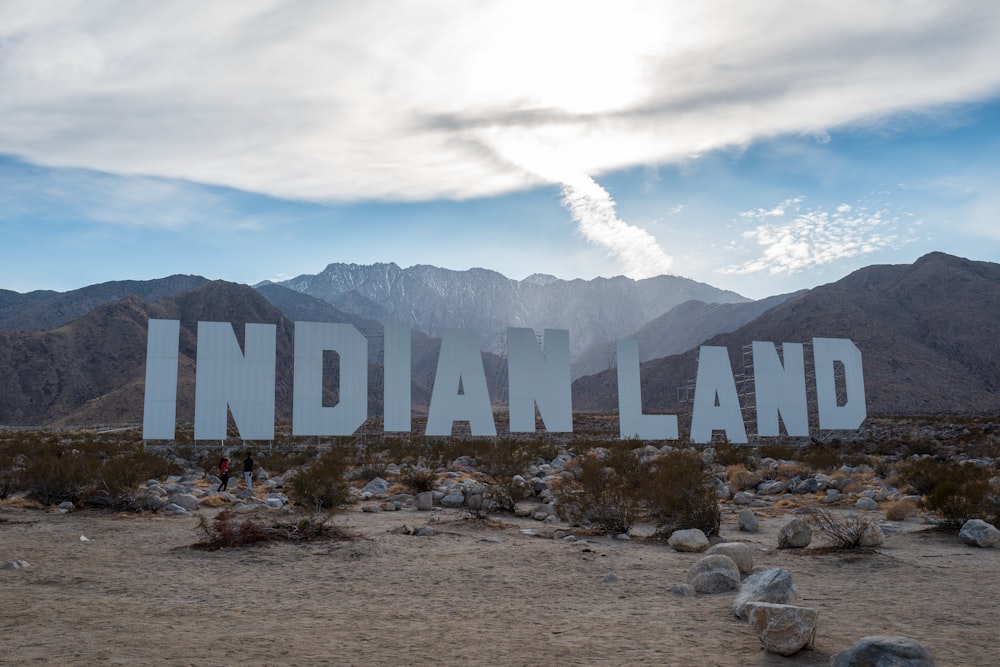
column 472, row 593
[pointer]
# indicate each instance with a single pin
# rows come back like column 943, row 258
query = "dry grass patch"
column 226, row 531
column 900, row 510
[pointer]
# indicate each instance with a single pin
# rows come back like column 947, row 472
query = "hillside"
column 432, row 299
column 926, row 332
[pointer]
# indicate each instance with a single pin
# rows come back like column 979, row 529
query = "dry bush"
column 502, row 462
column 678, row 490
column 322, row 484
column 742, row 479
column 227, row 532
column 604, row 491
column 957, row 492
column 727, row 454
column 54, row 476
column 419, row 479
column 900, row 510
column 846, row 533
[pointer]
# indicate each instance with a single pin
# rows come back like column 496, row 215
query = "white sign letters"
column 242, row 382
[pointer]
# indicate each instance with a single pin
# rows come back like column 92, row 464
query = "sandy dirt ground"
column 136, row 593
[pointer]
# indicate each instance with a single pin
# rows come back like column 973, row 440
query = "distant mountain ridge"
column 926, row 332
column 432, row 299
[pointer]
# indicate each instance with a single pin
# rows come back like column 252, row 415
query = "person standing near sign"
column 248, row 471
column 223, row 474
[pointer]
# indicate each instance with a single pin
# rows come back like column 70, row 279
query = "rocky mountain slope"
column 42, row 310
column 678, row 330
column 926, row 332
column 92, row 370
column 432, row 299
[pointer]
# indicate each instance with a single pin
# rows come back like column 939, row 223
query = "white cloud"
column 331, row 101
column 805, row 238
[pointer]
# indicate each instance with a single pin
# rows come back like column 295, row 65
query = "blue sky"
column 760, row 148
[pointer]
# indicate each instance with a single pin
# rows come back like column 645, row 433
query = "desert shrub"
column 740, row 478
column 957, row 492
column 679, row 492
column 227, row 532
column 276, row 461
column 419, row 479
column 321, row 484
column 52, row 476
column 605, row 489
column 728, row 454
column 821, row 458
column 842, row 533
column 119, row 476
column 900, row 510
column 779, row 451
column 502, row 462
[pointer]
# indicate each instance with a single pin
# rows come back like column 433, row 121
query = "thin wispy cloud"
column 794, row 238
column 594, row 210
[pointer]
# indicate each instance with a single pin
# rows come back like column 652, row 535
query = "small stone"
column 796, row 534
column 884, row 651
column 748, row 521
column 424, row 501
column 453, row 499
column 610, row 578
column 530, row 532
column 872, row 536
column 623, row 537
column 66, row 505
column 425, row 531
column 683, row 590
column 370, row 508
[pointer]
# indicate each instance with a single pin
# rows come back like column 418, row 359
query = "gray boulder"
column 185, row 500
column 782, row 628
column 796, row 534
column 714, row 574
column 884, row 651
column 453, row 499
column 774, row 585
column 748, row 521
column 978, row 533
column 691, row 540
column 741, row 554
column 375, row 488
column 424, row 501
column 866, row 504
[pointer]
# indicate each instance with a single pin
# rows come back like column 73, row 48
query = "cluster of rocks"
column 182, row 494
column 765, row 599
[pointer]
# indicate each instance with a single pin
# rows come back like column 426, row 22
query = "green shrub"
column 322, row 484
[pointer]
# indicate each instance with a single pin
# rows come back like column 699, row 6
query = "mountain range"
column 926, row 332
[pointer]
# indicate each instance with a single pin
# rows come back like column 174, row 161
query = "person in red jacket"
column 223, row 474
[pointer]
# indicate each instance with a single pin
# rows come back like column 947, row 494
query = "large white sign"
column 232, row 380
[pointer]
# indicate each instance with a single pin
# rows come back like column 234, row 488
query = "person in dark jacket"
column 248, row 471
